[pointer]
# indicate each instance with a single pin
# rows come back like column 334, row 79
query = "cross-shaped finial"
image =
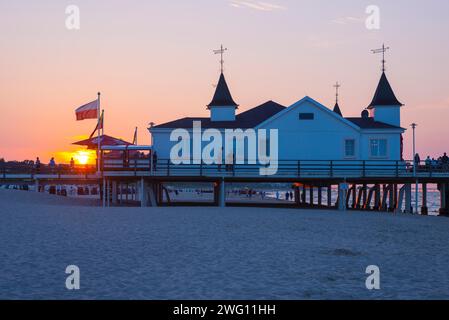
column 336, row 86
column 221, row 51
column 382, row 50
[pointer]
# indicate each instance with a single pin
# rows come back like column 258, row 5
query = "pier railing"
column 284, row 168
column 30, row 170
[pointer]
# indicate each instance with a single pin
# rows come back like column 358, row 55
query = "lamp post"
column 151, row 124
column 414, row 125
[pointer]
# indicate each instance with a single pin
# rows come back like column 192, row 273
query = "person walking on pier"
column 72, row 165
column 155, row 161
column 428, row 162
column 37, row 165
column 417, row 160
column 52, row 165
column 445, row 161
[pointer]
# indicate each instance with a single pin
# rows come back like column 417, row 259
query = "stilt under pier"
column 444, row 195
column 342, row 193
column 424, row 208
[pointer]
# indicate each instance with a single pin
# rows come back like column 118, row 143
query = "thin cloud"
column 348, row 20
column 256, row 5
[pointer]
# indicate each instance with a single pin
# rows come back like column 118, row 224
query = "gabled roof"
column 222, row 96
column 337, row 109
column 369, row 123
column 384, row 95
column 244, row 120
column 313, row 102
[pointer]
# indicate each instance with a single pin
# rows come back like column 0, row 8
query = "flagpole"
column 99, row 143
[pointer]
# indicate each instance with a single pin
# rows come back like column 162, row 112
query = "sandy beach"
column 215, row 253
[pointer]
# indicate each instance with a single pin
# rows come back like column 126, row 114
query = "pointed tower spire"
column 222, row 96
column 337, row 107
column 385, row 107
column 384, row 95
column 222, row 107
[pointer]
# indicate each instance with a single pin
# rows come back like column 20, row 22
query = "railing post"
column 299, row 168
column 201, row 168
column 332, row 168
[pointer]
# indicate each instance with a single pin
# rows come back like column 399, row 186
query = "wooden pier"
column 362, row 185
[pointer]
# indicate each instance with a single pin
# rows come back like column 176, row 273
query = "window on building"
column 378, row 147
column 306, row 116
column 349, row 148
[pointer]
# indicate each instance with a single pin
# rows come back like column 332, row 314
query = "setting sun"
column 83, row 156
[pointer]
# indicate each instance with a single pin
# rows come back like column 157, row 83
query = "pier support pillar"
column 354, row 196
column 143, row 188
column 311, row 195
column 320, row 196
column 444, row 195
column 391, row 202
column 104, row 192
column 383, row 204
column 377, row 200
column 361, row 198
column 342, row 193
column 297, row 197
column 364, row 195
column 408, row 198
column 222, row 194
column 424, row 208
column 303, row 194
column 114, row 193
column 395, row 198
column 36, row 185
column 329, row 196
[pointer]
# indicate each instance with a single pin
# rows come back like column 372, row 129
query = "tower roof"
column 222, row 96
column 337, row 109
column 384, row 95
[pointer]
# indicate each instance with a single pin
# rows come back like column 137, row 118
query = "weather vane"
column 336, row 86
column 221, row 51
column 382, row 50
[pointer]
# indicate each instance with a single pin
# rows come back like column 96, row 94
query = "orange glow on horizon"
column 81, row 157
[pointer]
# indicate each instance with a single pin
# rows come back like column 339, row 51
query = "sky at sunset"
column 153, row 62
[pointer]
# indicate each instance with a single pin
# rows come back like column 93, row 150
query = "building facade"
column 307, row 130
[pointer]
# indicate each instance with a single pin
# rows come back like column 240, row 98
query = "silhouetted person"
column 445, row 159
column 72, row 165
column 52, row 165
column 417, row 159
column 428, row 162
column 37, row 165
column 155, row 161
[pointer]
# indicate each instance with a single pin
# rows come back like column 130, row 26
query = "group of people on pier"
column 441, row 163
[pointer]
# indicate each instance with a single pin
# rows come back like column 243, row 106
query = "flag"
column 99, row 125
column 88, row 111
column 135, row 137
